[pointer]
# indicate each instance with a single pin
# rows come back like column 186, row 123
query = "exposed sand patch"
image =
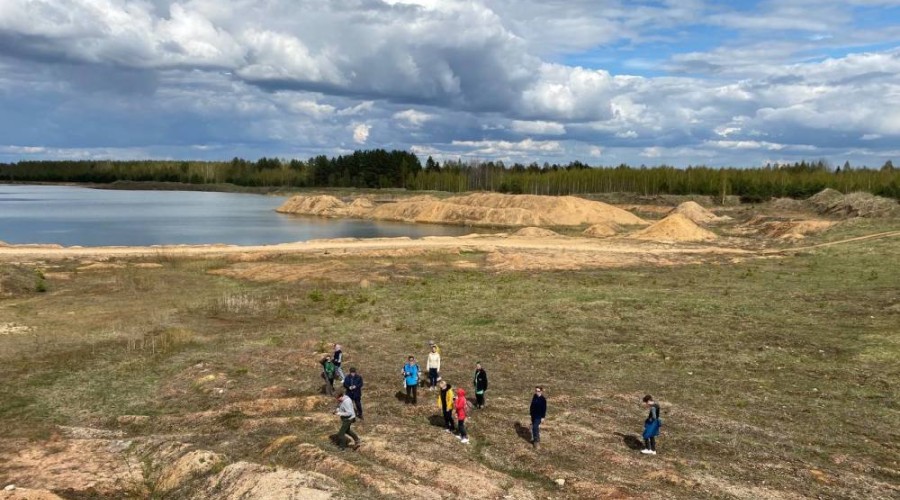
column 248, row 480
column 695, row 212
column 535, row 232
column 82, row 465
column 675, row 228
column 784, row 229
column 479, row 209
column 14, row 329
column 832, row 202
column 602, row 230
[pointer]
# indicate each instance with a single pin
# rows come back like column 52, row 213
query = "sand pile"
column 535, row 232
column 480, row 209
column 786, row 229
column 831, row 202
column 603, row 230
column 320, row 205
column 675, row 227
column 694, row 211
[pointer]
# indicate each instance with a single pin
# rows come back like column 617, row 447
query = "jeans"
column 536, row 430
column 345, row 431
column 461, row 425
column 479, row 399
column 411, row 393
column 329, row 384
column 339, row 373
column 650, row 444
column 432, row 377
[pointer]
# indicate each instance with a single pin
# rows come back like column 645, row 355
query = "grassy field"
column 774, row 374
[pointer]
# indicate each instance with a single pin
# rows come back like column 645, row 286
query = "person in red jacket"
column 461, row 405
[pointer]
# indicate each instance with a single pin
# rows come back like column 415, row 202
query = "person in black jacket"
column 353, row 383
column 481, row 385
column 337, row 358
column 538, row 412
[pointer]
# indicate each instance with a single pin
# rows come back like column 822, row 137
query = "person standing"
column 328, row 374
column 481, row 385
column 353, row 385
column 651, row 425
column 445, row 403
column 461, row 405
column 538, row 413
column 348, row 416
column 434, row 367
column 337, row 359
column 411, row 379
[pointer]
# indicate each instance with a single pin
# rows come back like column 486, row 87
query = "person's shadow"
column 436, row 420
column 401, row 396
column 632, row 441
column 523, row 431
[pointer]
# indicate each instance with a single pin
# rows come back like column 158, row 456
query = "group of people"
column 450, row 402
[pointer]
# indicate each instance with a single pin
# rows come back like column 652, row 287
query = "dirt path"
column 474, row 242
column 876, row 236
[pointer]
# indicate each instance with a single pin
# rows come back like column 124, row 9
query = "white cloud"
column 361, row 133
column 538, row 127
column 412, row 118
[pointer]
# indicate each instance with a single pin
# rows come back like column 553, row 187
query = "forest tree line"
column 401, row 169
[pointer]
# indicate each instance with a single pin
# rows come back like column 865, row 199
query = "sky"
column 677, row 82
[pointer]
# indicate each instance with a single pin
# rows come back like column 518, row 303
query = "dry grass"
column 774, row 373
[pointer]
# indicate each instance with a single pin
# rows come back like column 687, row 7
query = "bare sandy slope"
column 492, row 242
column 477, row 209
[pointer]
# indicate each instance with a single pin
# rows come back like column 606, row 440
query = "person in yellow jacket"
column 445, row 403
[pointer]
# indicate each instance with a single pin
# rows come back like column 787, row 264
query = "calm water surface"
column 93, row 217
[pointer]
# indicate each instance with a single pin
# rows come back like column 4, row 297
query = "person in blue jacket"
column 353, row 383
column 651, row 426
column 411, row 378
column 538, row 413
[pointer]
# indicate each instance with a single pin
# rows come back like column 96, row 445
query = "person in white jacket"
column 348, row 416
column 434, row 367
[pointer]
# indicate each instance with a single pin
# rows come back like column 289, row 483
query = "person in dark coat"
column 651, row 425
column 481, row 385
column 538, row 413
column 353, row 385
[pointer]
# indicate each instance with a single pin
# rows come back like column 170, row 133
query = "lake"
column 70, row 215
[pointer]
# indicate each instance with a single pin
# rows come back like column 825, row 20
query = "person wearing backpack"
column 411, row 379
column 461, row 406
column 328, row 374
column 481, row 385
column 651, row 426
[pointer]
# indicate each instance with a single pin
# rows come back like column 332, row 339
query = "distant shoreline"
column 164, row 186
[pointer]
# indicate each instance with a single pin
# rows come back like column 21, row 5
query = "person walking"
column 353, row 385
column 461, row 405
column 348, row 416
column 328, row 374
column 337, row 359
column 445, row 403
column 651, row 426
column 434, row 367
column 481, row 385
column 538, row 413
column 411, row 379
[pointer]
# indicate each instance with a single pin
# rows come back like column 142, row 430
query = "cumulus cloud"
column 294, row 76
column 412, row 118
column 361, row 133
